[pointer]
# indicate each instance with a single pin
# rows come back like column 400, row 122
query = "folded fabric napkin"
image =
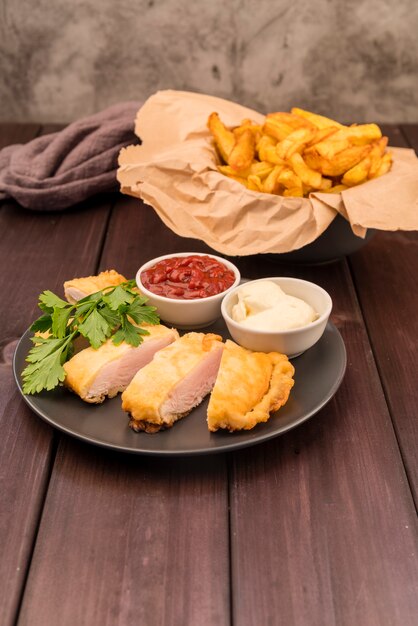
column 59, row 170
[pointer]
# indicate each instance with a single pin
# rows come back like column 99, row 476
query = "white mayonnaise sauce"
column 265, row 306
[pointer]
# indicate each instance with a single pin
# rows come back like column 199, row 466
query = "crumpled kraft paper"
column 175, row 172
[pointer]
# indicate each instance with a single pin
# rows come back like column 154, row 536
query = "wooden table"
column 316, row 527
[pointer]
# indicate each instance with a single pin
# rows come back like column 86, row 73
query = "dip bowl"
column 290, row 342
column 192, row 313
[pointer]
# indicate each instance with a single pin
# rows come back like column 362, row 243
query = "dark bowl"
column 337, row 241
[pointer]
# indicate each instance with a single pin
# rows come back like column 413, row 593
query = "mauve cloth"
column 59, row 170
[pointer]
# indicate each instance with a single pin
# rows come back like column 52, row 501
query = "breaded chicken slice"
column 79, row 288
column 176, row 381
column 94, row 374
column 249, row 387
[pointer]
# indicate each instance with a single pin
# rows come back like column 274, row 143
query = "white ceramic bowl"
column 187, row 314
column 290, row 342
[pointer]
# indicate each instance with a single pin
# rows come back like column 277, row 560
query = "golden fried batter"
column 249, row 387
column 78, row 288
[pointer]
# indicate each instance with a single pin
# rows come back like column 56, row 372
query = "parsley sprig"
column 112, row 312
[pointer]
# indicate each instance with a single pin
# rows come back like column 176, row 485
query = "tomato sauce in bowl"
column 188, row 277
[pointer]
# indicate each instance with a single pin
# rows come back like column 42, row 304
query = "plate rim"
column 225, row 447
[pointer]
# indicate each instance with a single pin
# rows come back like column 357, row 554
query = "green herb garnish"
column 97, row 317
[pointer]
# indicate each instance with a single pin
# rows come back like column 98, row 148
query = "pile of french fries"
column 293, row 154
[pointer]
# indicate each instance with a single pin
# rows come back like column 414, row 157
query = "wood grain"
column 314, row 528
column 23, row 466
column 37, row 251
column 131, row 540
column 322, row 521
column 17, row 133
column 136, row 234
column 385, row 276
column 395, row 135
column 390, row 312
column 410, row 132
column 128, row 539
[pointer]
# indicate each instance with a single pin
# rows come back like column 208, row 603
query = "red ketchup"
column 188, row 277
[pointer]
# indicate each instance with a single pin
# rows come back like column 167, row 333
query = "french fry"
column 295, row 142
column 290, row 120
column 363, row 134
column 256, row 129
column 336, row 189
column 318, row 120
column 357, row 174
column 296, row 153
column 246, row 125
column 261, row 169
column 376, row 154
column 258, row 168
column 289, row 179
column 358, row 135
column 227, row 170
column 276, row 128
column 224, row 138
column 325, row 185
column 330, row 147
column 308, row 176
column 385, row 165
column 271, row 183
column 342, row 161
column 243, row 152
column 266, row 149
column 254, row 183
column 240, row 179
column 294, row 192
column 321, row 134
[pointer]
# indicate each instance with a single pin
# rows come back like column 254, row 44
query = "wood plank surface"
column 22, row 478
column 410, row 132
column 385, row 273
column 37, row 251
column 395, row 134
column 314, row 528
column 341, row 546
column 322, row 521
column 132, row 540
column 17, row 133
column 389, row 302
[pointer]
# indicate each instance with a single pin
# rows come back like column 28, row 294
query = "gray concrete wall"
column 356, row 60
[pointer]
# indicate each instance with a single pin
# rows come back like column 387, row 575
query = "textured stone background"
column 356, row 60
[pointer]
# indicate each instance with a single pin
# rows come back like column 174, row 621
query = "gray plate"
column 318, row 374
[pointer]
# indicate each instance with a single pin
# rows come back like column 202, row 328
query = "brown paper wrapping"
column 175, row 172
